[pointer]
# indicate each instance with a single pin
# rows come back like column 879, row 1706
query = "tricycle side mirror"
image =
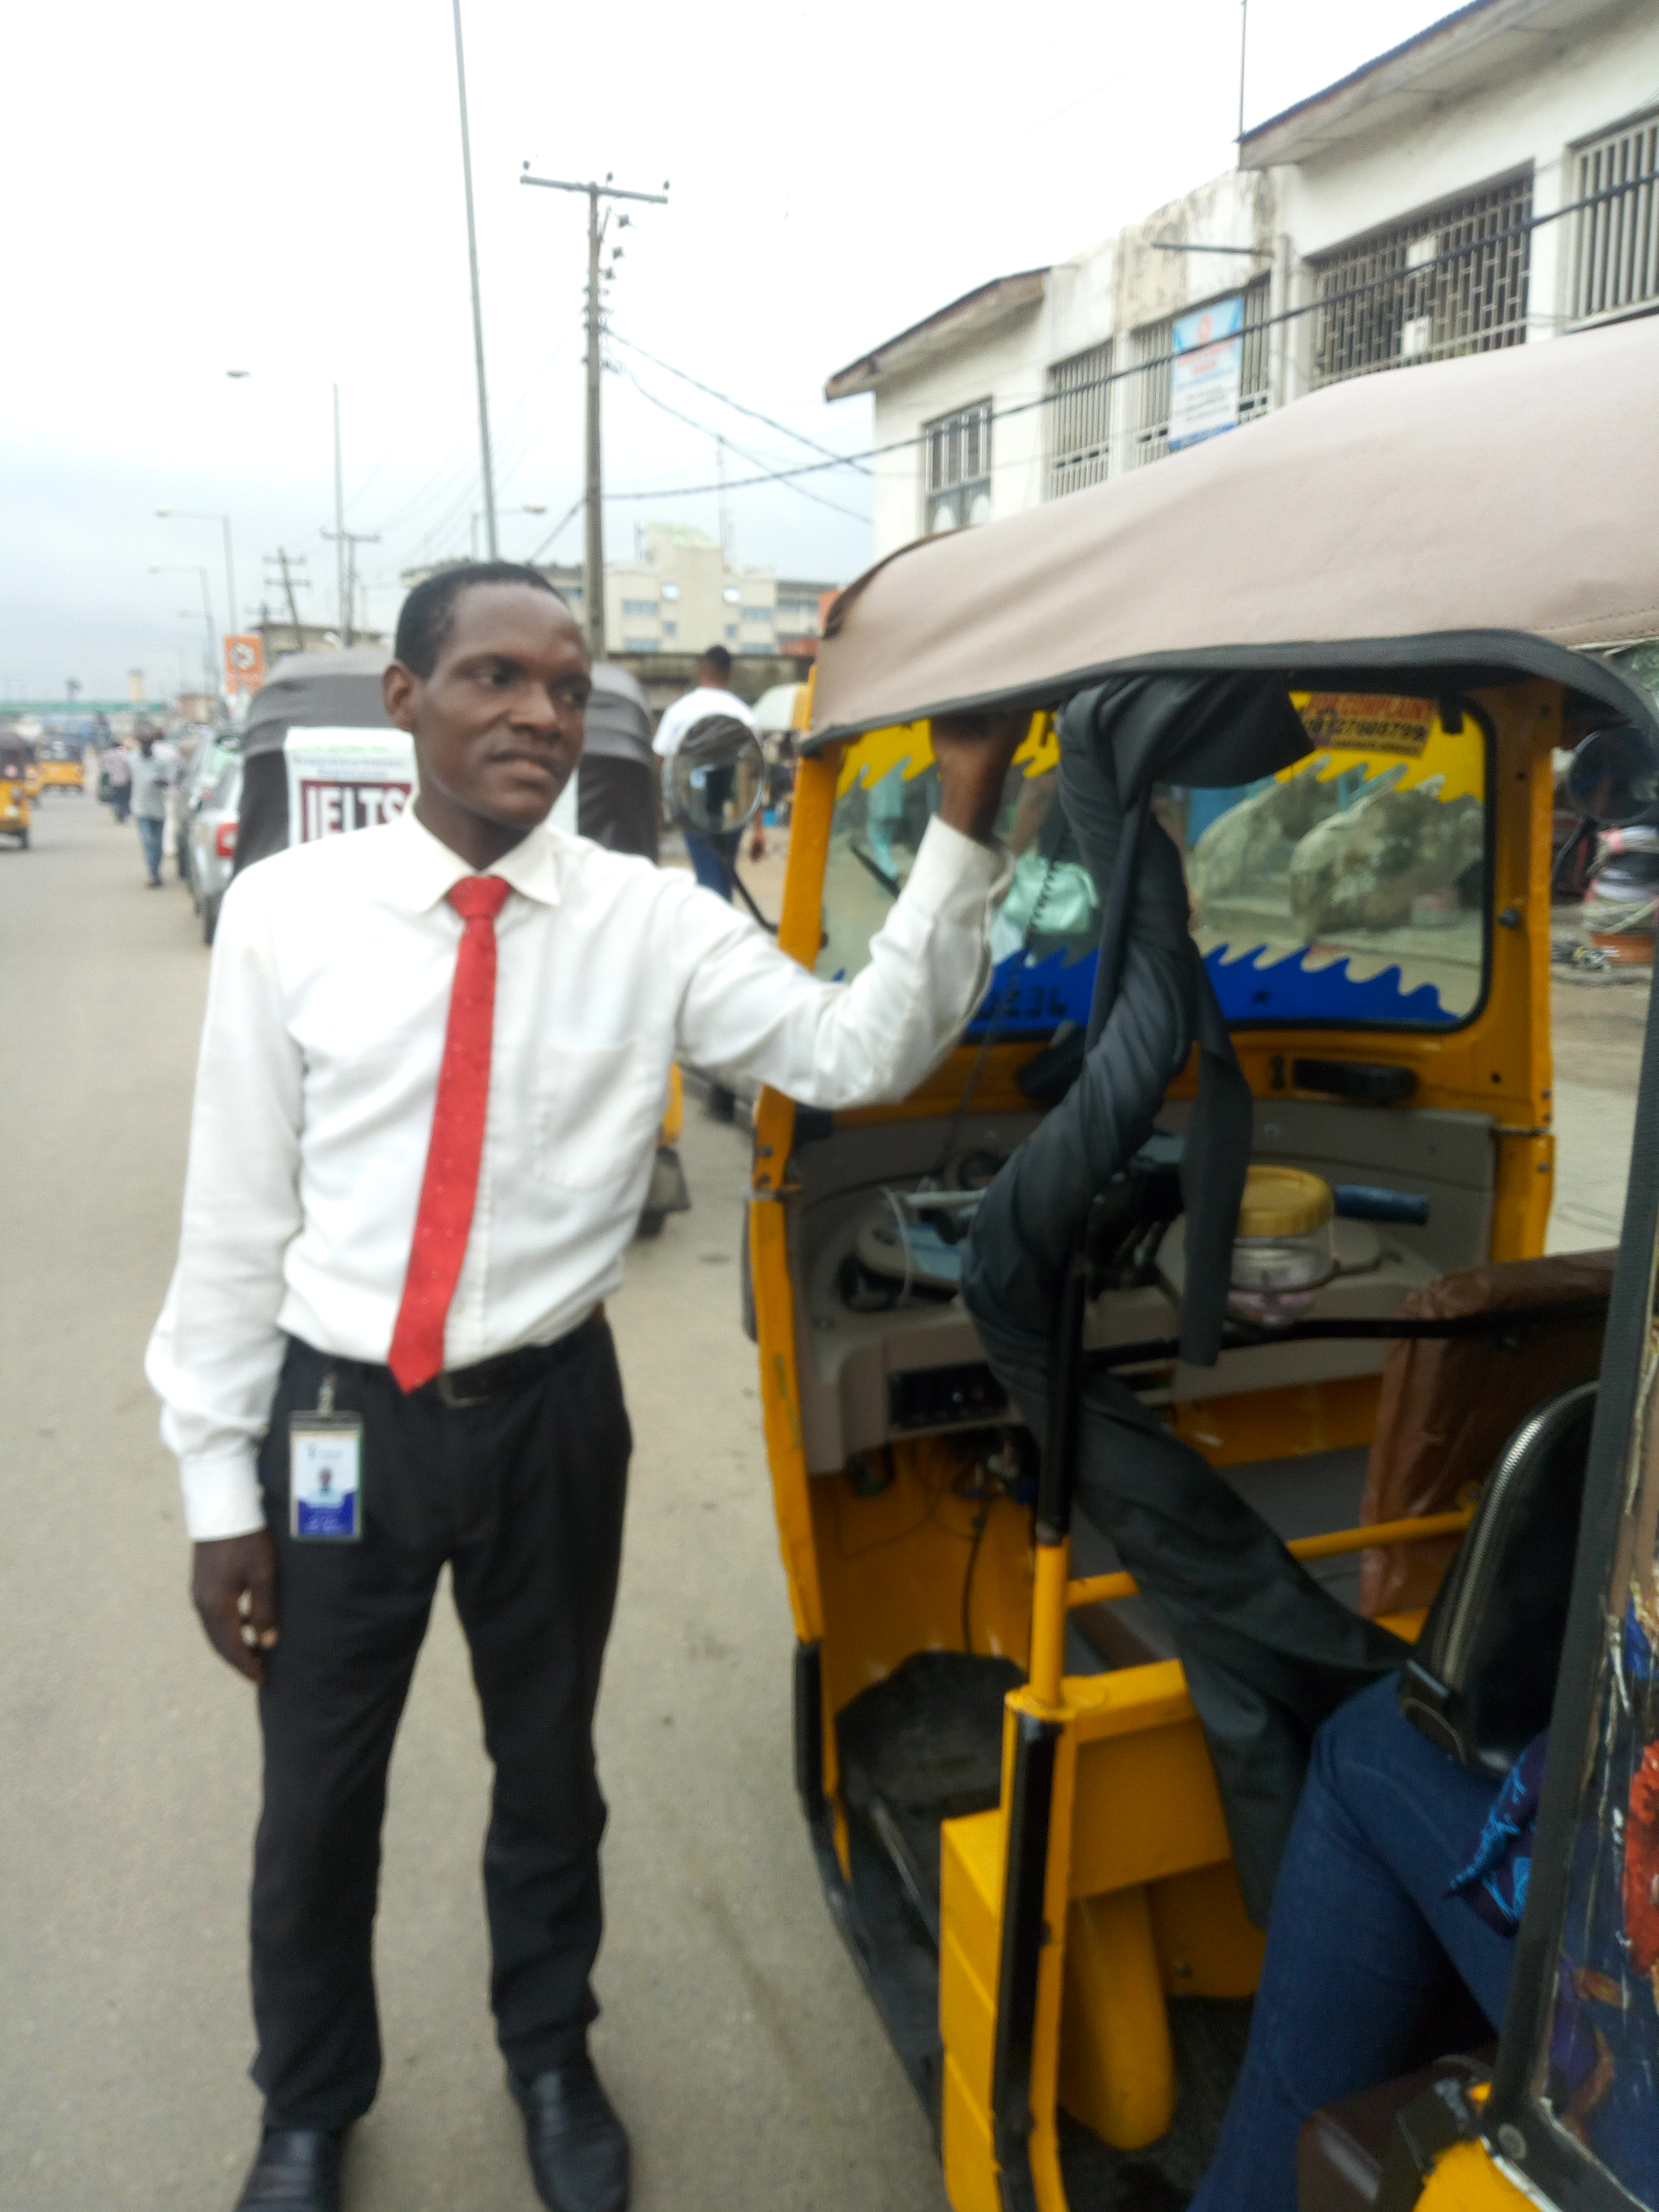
column 1613, row 777
column 717, row 779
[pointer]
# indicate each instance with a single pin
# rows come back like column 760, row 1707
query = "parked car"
column 213, row 825
column 213, row 748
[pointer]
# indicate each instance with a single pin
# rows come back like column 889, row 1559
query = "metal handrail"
column 1097, row 1589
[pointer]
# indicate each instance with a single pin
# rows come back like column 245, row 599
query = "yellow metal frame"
column 1465, row 2179
column 1140, row 1894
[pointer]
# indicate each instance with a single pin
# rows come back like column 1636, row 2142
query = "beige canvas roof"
column 1491, row 510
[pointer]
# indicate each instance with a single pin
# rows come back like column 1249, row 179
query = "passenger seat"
column 1342, row 2151
column 1450, row 1405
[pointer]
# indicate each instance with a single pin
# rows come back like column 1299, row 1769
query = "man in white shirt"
column 435, row 1057
column 153, row 767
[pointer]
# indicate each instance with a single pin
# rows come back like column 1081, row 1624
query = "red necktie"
column 450, row 1183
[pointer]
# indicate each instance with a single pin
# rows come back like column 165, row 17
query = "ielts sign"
column 340, row 779
column 327, row 808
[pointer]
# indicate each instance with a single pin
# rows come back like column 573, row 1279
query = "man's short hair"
column 717, row 657
column 428, row 615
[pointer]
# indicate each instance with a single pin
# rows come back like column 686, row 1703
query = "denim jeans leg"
column 1362, row 1943
column 150, row 837
column 711, row 859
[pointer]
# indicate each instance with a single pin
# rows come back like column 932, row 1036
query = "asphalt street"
column 736, row 2036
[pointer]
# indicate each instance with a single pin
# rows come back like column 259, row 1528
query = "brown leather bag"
column 1448, row 1406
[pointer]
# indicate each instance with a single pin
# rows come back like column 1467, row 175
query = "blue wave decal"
column 1029, row 998
column 1252, row 989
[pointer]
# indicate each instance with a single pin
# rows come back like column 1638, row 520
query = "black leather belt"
column 511, row 1371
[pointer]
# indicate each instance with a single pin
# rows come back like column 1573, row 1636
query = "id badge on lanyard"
column 325, row 1472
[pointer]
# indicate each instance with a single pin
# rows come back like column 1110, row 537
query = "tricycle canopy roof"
column 342, row 690
column 339, row 691
column 1489, row 513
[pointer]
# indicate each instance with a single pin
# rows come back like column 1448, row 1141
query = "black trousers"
column 522, row 1497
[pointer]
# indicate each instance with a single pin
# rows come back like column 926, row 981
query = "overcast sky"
column 192, row 187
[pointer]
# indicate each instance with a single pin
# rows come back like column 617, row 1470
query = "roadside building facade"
column 1494, row 181
column 679, row 595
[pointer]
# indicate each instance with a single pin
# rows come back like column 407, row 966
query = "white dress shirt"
column 685, row 713
column 327, row 1006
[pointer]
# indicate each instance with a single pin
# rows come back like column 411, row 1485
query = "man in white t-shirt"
column 712, row 859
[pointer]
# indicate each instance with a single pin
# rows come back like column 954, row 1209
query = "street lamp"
column 190, row 514
column 530, row 506
column 157, row 569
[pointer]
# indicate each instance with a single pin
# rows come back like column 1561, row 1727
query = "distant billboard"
column 1206, row 372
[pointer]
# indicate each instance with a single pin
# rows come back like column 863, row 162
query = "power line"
column 726, row 400
column 570, row 515
column 753, row 459
column 1398, row 276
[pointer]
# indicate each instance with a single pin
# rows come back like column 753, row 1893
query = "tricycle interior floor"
column 922, row 1746
column 1209, row 2034
column 926, row 1746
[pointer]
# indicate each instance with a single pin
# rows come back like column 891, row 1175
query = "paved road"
column 1597, row 1028
column 736, row 2036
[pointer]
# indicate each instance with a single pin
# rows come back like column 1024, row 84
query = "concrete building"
column 680, row 594
column 677, row 597
column 280, row 637
column 1494, row 181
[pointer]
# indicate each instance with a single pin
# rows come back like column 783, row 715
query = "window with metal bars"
column 1615, row 246
column 958, row 481
column 1154, row 350
column 1079, row 421
column 1450, row 281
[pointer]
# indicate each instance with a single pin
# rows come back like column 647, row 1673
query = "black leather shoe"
column 298, row 2168
column 578, row 2146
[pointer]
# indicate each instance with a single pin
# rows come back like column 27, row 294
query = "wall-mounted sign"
column 1206, row 372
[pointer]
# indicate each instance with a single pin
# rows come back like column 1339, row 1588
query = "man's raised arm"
column 750, row 1010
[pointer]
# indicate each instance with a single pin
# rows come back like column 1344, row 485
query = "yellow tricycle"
column 1272, row 972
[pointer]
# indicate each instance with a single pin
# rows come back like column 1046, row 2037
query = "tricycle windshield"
column 1352, row 888
column 1044, row 937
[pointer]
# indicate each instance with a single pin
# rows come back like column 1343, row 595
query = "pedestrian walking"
column 118, row 781
column 152, row 769
column 434, row 1058
column 712, row 858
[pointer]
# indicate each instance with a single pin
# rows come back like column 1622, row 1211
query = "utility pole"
column 720, row 478
column 286, row 561
column 478, row 307
column 194, row 514
column 1244, row 37
column 349, row 541
column 593, row 561
column 342, row 613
